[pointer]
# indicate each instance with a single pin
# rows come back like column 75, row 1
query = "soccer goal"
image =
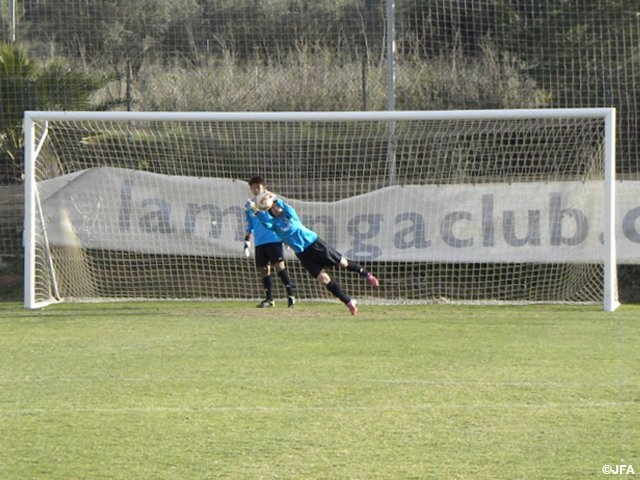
column 489, row 206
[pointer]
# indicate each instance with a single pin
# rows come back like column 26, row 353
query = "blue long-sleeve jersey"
column 288, row 227
column 261, row 234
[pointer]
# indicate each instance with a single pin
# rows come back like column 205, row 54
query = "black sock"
column 266, row 282
column 284, row 276
column 336, row 290
column 357, row 268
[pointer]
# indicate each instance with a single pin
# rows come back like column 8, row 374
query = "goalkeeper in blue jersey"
column 313, row 252
column 268, row 250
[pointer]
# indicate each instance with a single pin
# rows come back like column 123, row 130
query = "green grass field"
column 225, row 390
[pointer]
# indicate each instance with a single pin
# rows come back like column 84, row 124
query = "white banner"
column 110, row 208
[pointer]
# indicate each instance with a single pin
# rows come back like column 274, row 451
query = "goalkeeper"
column 268, row 250
column 313, row 252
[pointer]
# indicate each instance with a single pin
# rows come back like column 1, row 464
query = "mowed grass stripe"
column 223, row 390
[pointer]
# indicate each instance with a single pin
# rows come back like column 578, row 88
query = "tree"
column 27, row 85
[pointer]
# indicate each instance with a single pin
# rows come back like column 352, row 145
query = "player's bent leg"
column 267, row 285
column 355, row 267
column 323, row 278
column 337, row 292
column 286, row 281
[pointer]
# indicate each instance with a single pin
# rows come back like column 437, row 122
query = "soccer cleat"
column 266, row 303
column 352, row 307
column 372, row 280
column 291, row 301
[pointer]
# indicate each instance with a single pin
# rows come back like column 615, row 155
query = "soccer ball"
column 264, row 200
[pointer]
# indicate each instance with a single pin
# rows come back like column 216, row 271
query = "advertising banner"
column 111, row 208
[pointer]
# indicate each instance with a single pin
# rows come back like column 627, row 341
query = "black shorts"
column 317, row 256
column 269, row 254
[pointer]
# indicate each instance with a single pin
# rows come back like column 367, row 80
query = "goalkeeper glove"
column 247, row 246
column 252, row 205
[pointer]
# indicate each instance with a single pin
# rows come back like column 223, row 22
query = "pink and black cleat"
column 352, row 307
column 372, row 280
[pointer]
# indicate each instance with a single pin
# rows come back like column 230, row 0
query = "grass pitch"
column 227, row 391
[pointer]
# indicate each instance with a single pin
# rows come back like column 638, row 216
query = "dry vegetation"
column 319, row 81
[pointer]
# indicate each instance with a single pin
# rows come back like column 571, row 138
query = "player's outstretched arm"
column 288, row 210
column 265, row 219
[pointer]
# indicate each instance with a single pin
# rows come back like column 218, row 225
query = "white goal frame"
column 32, row 146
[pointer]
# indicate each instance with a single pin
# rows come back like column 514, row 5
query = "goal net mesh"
column 476, row 210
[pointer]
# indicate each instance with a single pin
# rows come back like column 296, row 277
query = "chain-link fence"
column 302, row 55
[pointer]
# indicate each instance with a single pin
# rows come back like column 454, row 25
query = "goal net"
column 457, row 206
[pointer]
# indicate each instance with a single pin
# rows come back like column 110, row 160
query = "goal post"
column 473, row 206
